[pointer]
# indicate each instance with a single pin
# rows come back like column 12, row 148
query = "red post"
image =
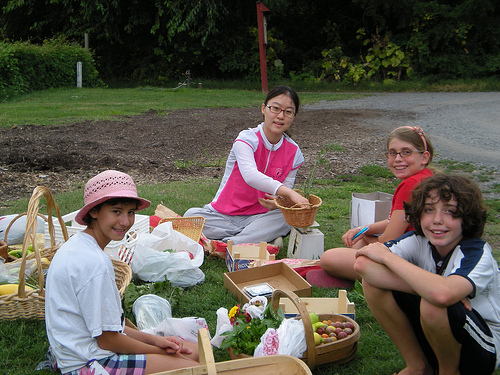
column 261, row 9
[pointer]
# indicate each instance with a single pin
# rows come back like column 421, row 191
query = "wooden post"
column 262, row 28
column 79, row 75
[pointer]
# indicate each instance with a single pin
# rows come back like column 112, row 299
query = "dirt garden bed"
column 182, row 144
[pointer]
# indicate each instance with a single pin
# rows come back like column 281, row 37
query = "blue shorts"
column 117, row 364
column 477, row 356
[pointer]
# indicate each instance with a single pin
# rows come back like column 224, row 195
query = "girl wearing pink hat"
column 83, row 313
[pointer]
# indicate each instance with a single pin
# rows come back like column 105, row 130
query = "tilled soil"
column 179, row 145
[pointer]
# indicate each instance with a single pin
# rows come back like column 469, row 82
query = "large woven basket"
column 31, row 304
column 191, row 226
column 296, row 215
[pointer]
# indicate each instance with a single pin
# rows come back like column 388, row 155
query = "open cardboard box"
column 326, row 306
column 278, row 275
column 238, row 257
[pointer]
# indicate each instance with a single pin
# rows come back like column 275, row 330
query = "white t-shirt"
column 81, row 302
column 472, row 259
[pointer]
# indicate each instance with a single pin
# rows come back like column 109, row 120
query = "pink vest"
column 237, row 197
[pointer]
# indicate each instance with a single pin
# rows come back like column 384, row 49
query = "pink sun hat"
column 106, row 185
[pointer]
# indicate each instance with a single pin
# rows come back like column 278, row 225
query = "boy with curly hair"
column 436, row 290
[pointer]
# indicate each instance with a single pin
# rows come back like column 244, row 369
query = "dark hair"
column 87, row 219
column 414, row 136
column 284, row 90
column 469, row 202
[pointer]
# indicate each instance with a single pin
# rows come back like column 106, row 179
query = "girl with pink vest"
column 262, row 164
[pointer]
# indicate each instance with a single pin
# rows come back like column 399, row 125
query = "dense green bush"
column 25, row 67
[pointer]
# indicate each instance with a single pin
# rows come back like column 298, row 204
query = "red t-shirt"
column 404, row 190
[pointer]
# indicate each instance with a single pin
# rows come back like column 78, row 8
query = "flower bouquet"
column 248, row 324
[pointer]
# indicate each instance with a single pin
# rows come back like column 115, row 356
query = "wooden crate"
column 321, row 306
column 268, row 365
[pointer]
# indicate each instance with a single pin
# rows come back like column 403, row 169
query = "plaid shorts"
column 117, row 364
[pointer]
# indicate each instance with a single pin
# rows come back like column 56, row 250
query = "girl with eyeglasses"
column 262, row 164
column 409, row 153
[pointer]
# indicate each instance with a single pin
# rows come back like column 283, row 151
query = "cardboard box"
column 340, row 305
column 238, row 257
column 306, row 244
column 279, row 275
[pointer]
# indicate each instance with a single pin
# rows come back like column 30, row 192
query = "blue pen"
column 361, row 232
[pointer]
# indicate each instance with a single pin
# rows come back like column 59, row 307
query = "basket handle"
column 205, row 351
column 30, row 234
column 302, row 205
column 304, row 315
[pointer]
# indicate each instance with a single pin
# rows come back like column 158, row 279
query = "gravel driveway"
column 462, row 126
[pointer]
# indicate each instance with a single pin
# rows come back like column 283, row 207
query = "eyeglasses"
column 404, row 153
column 278, row 110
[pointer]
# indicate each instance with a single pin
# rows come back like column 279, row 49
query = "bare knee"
column 432, row 315
column 361, row 264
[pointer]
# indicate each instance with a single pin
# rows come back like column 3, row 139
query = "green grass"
column 24, row 343
column 65, row 106
column 376, row 354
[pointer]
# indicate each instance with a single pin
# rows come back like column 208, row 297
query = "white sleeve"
column 250, row 173
column 290, row 179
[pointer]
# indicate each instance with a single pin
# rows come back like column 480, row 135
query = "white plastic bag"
column 255, row 307
column 150, row 310
column 223, row 325
column 16, row 231
column 185, row 329
column 151, row 261
column 288, row 339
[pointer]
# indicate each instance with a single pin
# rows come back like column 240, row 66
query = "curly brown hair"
column 469, row 202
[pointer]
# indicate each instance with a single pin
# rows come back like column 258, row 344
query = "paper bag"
column 369, row 208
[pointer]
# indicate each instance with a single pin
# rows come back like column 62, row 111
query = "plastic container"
column 150, row 310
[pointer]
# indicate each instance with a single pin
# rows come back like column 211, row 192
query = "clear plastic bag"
column 9, row 272
column 185, row 329
column 150, row 310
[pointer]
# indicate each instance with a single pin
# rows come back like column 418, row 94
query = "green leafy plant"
column 246, row 333
column 320, row 160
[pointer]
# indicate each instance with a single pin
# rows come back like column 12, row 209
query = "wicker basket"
column 297, row 216
column 191, row 226
column 336, row 352
column 267, row 365
column 4, row 250
column 10, row 258
column 31, row 304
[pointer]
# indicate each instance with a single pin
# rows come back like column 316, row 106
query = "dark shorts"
column 477, row 356
column 118, row 364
